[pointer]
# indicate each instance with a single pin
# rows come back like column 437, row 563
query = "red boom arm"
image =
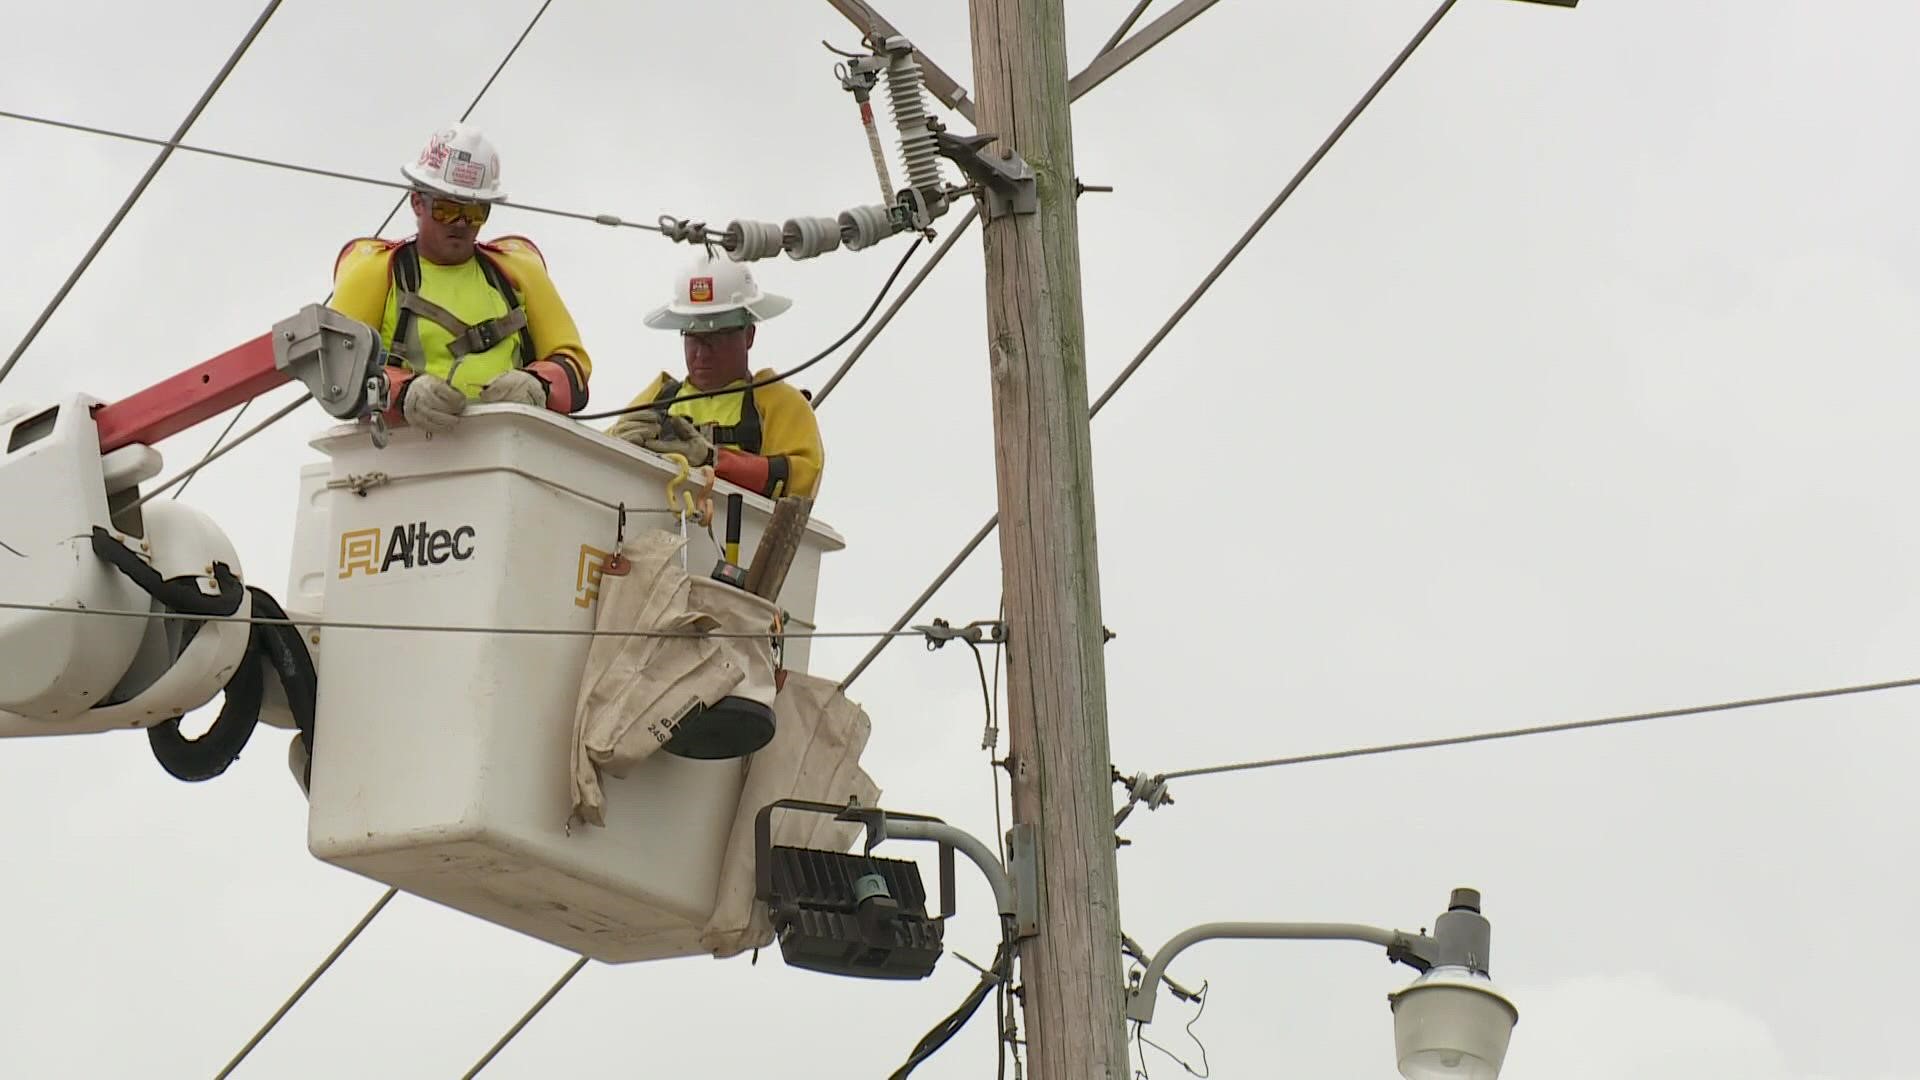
column 180, row 401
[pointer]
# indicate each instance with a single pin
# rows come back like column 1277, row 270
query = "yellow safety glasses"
column 446, row 212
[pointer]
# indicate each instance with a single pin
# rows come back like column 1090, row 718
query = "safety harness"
column 744, row 434
column 467, row 338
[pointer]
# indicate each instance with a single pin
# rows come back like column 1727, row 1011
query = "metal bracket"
column 1007, row 183
column 977, row 632
column 1023, row 852
column 332, row 354
column 379, row 400
column 874, row 820
column 859, row 75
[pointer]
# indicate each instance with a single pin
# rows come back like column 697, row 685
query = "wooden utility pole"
column 1057, row 688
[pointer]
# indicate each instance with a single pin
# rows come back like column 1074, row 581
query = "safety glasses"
column 446, row 211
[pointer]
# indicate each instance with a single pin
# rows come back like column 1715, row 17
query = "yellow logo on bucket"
column 586, row 578
column 360, row 550
column 406, row 546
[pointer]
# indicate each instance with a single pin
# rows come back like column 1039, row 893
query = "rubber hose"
column 206, row 757
column 270, row 647
column 285, row 651
column 181, row 594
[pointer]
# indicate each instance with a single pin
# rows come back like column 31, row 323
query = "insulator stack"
column 804, row 238
column 748, row 241
column 918, row 152
column 865, row 226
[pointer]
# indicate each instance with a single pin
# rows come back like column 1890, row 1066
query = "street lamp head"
column 1451, row 1024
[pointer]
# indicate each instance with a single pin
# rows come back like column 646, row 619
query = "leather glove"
column 678, row 435
column 515, row 388
column 431, row 404
column 637, row 427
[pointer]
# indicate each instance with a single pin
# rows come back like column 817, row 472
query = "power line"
column 233, row 59
column 1179, row 313
column 214, row 450
column 428, row 628
column 525, row 1019
column 820, row 396
column 613, row 220
column 301, row 990
column 1545, row 729
column 778, row 376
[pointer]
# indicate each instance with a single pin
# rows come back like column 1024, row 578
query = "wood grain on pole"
column 1074, row 998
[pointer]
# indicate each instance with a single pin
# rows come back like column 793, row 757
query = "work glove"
column 637, row 427
column 431, row 404
column 678, row 435
column 515, row 388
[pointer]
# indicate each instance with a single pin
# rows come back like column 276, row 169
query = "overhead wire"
column 1140, row 1038
column 307, row 984
column 431, row 628
column 216, row 450
column 959, row 229
column 219, row 439
column 140, row 188
column 611, row 220
column 949, row 1026
column 778, row 376
column 1187, row 305
column 525, row 1019
column 1543, row 729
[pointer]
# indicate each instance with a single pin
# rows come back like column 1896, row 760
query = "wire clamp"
column 977, row 632
column 1150, row 789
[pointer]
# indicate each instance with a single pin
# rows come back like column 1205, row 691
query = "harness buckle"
column 482, row 336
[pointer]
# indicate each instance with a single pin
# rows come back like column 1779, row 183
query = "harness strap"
column 746, row 434
column 467, row 338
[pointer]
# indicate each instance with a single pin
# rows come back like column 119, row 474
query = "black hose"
column 206, row 757
column 285, row 652
column 274, row 647
column 181, row 594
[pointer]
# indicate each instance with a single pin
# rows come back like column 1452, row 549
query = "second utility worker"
column 764, row 439
column 465, row 320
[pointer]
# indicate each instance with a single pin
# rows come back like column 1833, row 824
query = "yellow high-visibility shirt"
column 788, row 434
column 364, row 289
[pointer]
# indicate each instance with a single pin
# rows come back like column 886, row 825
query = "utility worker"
column 764, row 440
column 461, row 320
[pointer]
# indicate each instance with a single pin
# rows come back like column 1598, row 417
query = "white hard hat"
column 458, row 161
column 715, row 294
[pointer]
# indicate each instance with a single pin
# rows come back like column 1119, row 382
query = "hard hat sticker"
column 465, row 171
column 436, row 151
column 700, row 290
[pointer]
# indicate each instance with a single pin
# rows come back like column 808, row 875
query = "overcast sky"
column 1578, row 380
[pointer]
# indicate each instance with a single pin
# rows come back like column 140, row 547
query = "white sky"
column 1578, row 380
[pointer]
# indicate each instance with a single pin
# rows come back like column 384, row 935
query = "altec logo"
column 405, row 547
column 587, row 575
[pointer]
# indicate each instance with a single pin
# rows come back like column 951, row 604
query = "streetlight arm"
column 895, row 828
column 1399, row 944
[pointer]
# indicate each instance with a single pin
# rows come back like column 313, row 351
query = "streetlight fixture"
column 1448, row 1024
